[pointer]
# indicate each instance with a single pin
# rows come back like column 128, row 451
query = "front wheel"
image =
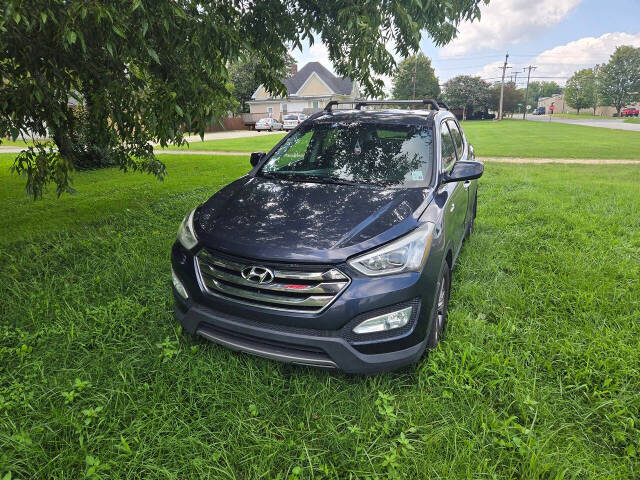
column 439, row 319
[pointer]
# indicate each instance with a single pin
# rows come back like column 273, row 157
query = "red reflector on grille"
column 292, row 286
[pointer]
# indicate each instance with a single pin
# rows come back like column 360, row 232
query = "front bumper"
column 323, row 349
column 323, row 339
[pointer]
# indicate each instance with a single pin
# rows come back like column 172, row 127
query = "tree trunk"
column 578, row 110
column 464, row 113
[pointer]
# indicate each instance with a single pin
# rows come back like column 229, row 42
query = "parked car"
column 630, row 112
column 539, row 111
column 292, row 120
column 337, row 249
column 268, row 123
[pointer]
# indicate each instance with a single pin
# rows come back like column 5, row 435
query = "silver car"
column 292, row 120
column 270, row 124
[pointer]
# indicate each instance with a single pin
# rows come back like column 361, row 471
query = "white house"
column 308, row 91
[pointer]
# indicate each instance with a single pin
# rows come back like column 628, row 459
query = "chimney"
column 294, row 68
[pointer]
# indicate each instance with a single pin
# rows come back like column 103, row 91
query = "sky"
column 556, row 36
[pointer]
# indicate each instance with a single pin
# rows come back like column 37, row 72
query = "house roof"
column 340, row 85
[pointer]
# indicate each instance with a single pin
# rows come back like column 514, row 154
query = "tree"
column 619, row 80
column 542, row 89
column 245, row 78
column 467, row 92
column 144, row 71
column 512, row 96
column 580, row 91
column 426, row 82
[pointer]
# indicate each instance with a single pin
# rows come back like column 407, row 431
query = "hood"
column 282, row 220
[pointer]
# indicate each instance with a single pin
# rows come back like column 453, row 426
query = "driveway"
column 613, row 123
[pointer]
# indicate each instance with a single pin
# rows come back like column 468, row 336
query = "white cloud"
column 562, row 61
column 317, row 52
column 504, row 22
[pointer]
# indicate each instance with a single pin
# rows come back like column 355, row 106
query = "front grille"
column 293, row 288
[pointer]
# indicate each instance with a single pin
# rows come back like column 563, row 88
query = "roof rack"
column 435, row 104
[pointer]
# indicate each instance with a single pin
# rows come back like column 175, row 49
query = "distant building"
column 562, row 107
column 308, row 91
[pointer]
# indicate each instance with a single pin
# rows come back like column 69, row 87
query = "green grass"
column 516, row 138
column 5, row 142
column 538, row 376
column 509, row 138
column 584, row 115
column 258, row 143
column 632, row 120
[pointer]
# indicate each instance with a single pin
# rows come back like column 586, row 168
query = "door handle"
column 453, row 207
column 466, row 184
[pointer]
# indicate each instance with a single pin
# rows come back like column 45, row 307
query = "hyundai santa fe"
column 336, row 249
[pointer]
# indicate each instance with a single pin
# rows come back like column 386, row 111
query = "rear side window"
column 457, row 137
column 448, row 147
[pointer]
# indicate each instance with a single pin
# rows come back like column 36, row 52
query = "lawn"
column 538, row 376
column 517, row 138
column 632, row 120
column 18, row 142
column 585, row 115
column 509, row 138
column 258, row 143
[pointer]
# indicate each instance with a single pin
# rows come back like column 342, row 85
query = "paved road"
column 613, row 123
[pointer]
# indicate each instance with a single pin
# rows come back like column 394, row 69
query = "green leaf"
column 43, row 16
column 118, row 31
column 153, row 54
column 179, row 110
column 71, row 37
column 145, row 27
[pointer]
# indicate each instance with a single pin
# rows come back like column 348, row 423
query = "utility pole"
column 415, row 68
column 596, row 73
column 504, row 70
column 526, row 93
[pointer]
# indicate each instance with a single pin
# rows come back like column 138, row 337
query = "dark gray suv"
column 336, row 250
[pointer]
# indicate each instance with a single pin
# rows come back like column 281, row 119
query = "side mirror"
column 256, row 157
column 463, row 171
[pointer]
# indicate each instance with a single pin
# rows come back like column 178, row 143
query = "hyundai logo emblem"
column 257, row 274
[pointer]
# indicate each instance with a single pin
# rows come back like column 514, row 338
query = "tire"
column 439, row 319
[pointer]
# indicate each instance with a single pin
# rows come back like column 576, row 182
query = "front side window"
column 457, row 137
column 389, row 155
column 447, row 146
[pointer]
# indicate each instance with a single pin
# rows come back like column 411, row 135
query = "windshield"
column 389, row 155
column 291, row 117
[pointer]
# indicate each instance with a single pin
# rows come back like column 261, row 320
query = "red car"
column 630, row 112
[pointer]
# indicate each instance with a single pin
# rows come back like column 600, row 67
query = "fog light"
column 177, row 284
column 388, row 321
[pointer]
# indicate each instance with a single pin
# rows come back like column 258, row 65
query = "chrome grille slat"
column 309, row 301
column 304, row 290
column 322, row 288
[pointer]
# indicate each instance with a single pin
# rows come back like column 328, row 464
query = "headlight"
column 186, row 234
column 407, row 254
